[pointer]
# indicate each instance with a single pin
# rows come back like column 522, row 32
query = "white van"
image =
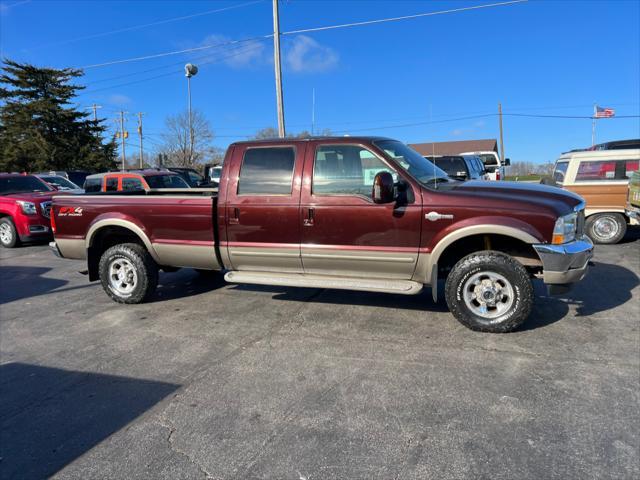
column 492, row 163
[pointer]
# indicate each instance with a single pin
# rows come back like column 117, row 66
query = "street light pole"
column 278, row 69
column 190, row 71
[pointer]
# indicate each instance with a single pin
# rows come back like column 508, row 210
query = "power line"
column 306, row 30
column 396, row 19
column 146, row 25
column 176, row 52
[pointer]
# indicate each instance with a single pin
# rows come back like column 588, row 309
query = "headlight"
column 28, row 208
column 565, row 229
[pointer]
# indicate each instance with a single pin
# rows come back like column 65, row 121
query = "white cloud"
column 118, row 99
column 236, row 55
column 306, row 55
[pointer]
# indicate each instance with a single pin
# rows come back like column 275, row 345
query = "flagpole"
column 593, row 126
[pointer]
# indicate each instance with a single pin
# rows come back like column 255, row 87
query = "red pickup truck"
column 358, row 213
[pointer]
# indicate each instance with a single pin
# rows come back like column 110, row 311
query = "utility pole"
column 140, row 134
column 278, row 69
column 95, row 111
column 122, row 134
column 313, row 110
column 501, row 134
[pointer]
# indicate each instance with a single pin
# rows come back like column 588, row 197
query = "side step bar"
column 403, row 287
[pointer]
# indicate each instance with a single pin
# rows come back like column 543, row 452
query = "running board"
column 403, row 287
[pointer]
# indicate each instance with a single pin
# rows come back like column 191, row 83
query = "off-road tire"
column 507, row 267
column 592, row 233
column 145, row 268
column 14, row 240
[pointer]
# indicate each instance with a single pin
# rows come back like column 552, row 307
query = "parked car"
column 25, row 205
column 633, row 197
column 492, row 164
column 355, row 213
column 602, row 178
column 75, row 176
column 189, row 175
column 60, row 183
column 133, row 180
column 460, row 167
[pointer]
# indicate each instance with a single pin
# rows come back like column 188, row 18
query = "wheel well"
column 105, row 238
column 519, row 250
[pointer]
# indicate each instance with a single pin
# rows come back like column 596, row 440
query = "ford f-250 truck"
column 358, row 213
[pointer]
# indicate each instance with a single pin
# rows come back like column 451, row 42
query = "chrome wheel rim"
column 488, row 295
column 122, row 276
column 6, row 235
column 605, row 228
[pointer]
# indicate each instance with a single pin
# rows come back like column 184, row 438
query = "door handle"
column 235, row 219
column 308, row 221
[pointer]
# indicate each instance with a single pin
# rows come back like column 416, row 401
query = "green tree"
column 39, row 127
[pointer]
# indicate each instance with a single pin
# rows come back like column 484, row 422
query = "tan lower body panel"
column 72, row 248
column 359, row 263
column 191, row 256
column 266, row 259
column 403, row 287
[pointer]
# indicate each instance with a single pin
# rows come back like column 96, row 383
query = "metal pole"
column 278, row 69
column 140, row 133
column 124, row 157
column 190, row 121
column 593, row 126
column 501, row 135
column 313, row 110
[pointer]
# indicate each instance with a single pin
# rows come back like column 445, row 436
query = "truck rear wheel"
column 490, row 292
column 8, row 234
column 128, row 273
column 606, row 228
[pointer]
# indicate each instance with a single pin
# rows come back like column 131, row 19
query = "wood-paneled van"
column 601, row 177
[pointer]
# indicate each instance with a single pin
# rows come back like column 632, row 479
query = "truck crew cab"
column 359, row 213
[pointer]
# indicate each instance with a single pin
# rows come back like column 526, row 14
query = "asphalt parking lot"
column 223, row 381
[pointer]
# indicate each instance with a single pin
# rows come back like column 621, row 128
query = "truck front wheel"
column 128, row 273
column 490, row 292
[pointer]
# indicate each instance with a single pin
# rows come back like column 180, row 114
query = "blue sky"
column 539, row 57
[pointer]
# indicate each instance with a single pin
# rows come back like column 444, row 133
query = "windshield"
column 559, row 172
column 60, row 183
column 22, row 184
column 166, row 181
column 488, row 159
column 413, row 163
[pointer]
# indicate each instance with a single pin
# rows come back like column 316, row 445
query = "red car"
column 25, row 206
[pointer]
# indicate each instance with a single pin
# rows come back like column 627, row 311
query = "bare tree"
column 177, row 140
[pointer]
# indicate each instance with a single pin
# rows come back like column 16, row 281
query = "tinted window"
column 60, row 183
column 92, row 185
column 112, row 184
column 345, row 170
column 559, row 172
column 454, row 166
column 131, row 184
column 488, row 159
column 21, row 184
column 606, row 170
column 267, row 171
column 166, row 181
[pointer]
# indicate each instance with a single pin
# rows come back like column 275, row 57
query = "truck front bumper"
column 53, row 246
column 563, row 265
column 633, row 213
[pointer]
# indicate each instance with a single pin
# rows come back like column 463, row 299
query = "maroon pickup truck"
column 356, row 213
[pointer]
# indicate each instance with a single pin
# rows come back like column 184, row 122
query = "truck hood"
column 30, row 196
column 522, row 194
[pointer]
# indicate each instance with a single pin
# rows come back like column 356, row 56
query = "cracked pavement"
column 222, row 381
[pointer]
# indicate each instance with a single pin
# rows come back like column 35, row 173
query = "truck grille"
column 580, row 224
column 45, row 208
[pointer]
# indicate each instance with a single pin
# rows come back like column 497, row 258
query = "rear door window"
column 604, row 170
column 129, row 184
column 267, row 171
column 111, row 184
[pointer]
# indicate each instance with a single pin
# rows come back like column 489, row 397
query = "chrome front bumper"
column 53, row 246
column 633, row 213
column 565, row 264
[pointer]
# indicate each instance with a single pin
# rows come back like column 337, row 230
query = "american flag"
column 604, row 112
